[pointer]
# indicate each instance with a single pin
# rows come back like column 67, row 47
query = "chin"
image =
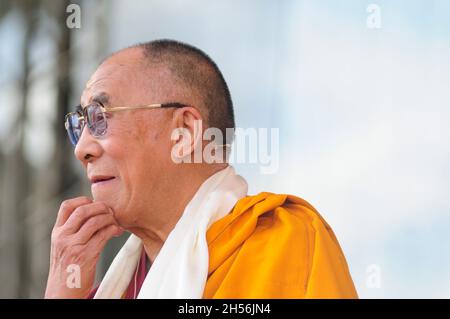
column 123, row 218
column 98, row 197
column 112, row 203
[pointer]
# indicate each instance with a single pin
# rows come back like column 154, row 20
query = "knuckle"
column 69, row 204
column 90, row 225
column 76, row 250
column 81, row 213
column 55, row 235
column 65, row 205
column 84, row 199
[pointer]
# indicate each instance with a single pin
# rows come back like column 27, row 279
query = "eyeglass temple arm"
column 150, row 106
column 123, row 108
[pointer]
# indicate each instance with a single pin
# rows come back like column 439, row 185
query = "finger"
column 92, row 225
column 83, row 213
column 101, row 237
column 68, row 206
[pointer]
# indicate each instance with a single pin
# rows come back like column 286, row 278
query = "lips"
column 100, row 179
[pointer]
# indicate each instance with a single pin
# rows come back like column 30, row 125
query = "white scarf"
column 180, row 269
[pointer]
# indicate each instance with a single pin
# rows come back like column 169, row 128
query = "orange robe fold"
column 275, row 246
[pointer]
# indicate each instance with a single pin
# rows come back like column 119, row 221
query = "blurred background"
column 359, row 90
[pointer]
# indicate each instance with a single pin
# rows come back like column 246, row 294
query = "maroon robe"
column 136, row 283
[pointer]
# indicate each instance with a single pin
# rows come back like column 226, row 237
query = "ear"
column 187, row 133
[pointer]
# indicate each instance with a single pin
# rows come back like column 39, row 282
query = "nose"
column 88, row 148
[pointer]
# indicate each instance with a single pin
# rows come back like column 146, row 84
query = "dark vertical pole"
column 63, row 150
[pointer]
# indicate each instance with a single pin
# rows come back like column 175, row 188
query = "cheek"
column 134, row 166
column 140, row 158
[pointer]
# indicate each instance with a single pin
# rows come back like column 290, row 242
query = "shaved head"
column 195, row 74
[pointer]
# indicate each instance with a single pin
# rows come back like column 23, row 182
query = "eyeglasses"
column 95, row 116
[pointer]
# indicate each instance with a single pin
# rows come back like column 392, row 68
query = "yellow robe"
column 275, row 246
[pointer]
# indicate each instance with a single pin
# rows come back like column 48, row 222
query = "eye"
column 98, row 116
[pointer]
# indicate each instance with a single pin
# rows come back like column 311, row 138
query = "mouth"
column 101, row 179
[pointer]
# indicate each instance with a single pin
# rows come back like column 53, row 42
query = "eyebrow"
column 101, row 98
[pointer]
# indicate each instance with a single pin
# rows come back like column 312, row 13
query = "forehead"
column 119, row 77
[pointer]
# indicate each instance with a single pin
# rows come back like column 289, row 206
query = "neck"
column 159, row 220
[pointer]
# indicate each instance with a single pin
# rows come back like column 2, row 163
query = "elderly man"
column 195, row 233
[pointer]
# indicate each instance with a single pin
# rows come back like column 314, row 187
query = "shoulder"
column 276, row 245
column 288, row 218
column 275, row 227
column 272, row 213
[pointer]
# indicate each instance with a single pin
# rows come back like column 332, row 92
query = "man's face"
column 135, row 150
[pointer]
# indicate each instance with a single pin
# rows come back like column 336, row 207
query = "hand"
column 81, row 231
